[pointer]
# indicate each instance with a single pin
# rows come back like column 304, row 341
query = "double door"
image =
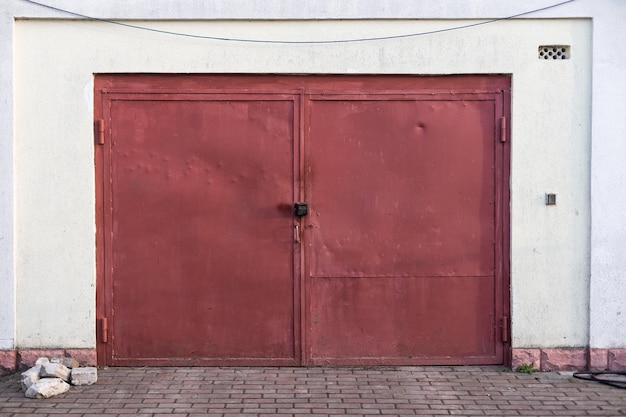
column 396, row 254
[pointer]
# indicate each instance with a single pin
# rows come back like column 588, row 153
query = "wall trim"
column 570, row 359
column 12, row 361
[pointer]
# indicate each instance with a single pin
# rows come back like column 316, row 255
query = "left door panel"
column 198, row 229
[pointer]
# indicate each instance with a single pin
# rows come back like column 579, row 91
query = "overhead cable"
column 303, row 42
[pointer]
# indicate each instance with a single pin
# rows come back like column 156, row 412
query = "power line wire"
column 271, row 41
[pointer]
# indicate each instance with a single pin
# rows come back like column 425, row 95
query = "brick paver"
column 313, row 392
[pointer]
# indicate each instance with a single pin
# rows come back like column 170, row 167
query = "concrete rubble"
column 53, row 376
column 30, row 377
column 84, row 376
column 55, row 370
column 47, row 387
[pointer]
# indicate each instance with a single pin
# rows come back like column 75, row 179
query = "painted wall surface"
column 7, row 253
column 293, row 9
column 47, row 213
column 54, row 154
column 608, row 179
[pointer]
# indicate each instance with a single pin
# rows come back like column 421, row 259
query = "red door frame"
column 300, row 86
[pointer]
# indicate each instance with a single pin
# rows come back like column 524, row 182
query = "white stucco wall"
column 7, row 253
column 46, row 147
column 608, row 198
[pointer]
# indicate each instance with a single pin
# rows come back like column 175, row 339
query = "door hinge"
column 505, row 329
column 99, row 131
column 503, row 130
column 104, row 330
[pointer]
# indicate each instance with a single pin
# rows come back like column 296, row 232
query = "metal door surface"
column 401, row 259
column 401, row 254
column 201, row 229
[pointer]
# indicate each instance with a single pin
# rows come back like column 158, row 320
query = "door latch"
column 301, row 209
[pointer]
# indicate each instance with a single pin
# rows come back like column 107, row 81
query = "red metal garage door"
column 200, row 230
column 402, row 259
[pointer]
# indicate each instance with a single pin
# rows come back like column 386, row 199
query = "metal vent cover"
column 554, row 52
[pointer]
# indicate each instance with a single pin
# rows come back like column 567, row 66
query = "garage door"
column 398, row 254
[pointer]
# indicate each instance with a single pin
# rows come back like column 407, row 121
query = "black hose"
column 604, row 377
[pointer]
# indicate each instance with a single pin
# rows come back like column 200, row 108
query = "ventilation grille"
column 554, row 52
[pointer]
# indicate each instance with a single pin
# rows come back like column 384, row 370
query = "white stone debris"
column 55, row 370
column 30, row 376
column 50, row 377
column 68, row 362
column 47, row 387
column 42, row 361
column 84, row 376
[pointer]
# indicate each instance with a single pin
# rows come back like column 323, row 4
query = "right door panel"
column 401, row 240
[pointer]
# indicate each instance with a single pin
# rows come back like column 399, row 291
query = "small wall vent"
column 554, row 52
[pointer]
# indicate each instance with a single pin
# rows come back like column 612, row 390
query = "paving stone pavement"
column 312, row 392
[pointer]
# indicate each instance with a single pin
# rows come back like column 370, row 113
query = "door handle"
column 297, row 236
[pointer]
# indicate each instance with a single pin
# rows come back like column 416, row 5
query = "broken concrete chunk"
column 48, row 387
column 68, row 362
column 42, row 361
column 55, row 370
column 84, row 376
column 30, row 376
